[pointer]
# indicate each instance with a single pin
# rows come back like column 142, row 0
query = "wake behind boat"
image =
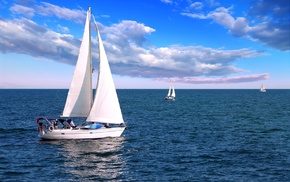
column 103, row 114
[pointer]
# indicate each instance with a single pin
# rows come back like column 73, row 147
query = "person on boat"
column 39, row 126
column 54, row 124
column 107, row 125
column 71, row 123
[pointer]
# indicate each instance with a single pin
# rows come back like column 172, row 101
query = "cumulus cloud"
column 125, row 47
column 19, row 9
column 128, row 50
column 221, row 15
column 274, row 23
column 47, row 9
column 24, row 36
column 126, row 31
column 270, row 22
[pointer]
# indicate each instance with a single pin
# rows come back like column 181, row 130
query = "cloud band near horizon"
column 199, row 80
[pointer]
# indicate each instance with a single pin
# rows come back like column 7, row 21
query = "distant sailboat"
column 170, row 94
column 262, row 89
column 100, row 112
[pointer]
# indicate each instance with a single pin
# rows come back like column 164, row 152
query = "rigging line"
column 95, row 22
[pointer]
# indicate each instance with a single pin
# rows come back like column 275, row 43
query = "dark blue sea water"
column 205, row 135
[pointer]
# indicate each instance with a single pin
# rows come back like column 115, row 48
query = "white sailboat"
column 262, row 89
column 103, row 114
column 170, row 94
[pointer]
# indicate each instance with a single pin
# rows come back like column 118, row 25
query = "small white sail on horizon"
column 103, row 110
column 262, row 89
column 171, row 93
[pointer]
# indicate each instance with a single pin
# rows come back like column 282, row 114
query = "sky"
column 150, row 44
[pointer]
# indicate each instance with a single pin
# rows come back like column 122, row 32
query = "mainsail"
column 106, row 107
column 173, row 92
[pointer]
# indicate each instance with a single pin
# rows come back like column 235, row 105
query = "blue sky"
column 150, row 43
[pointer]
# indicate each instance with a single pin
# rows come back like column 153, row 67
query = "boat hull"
column 169, row 98
column 67, row 134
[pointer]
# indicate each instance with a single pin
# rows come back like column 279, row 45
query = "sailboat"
column 103, row 113
column 170, row 94
column 262, row 89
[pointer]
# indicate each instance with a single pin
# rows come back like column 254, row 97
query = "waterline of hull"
column 66, row 134
column 169, row 98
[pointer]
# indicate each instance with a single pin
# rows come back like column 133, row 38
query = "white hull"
column 64, row 134
column 169, row 98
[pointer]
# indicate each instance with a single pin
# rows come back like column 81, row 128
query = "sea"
column 204, row 135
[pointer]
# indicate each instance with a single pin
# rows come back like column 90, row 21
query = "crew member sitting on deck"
column 71, row 123
column 107, row 125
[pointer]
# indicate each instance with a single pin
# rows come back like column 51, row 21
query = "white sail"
column 106, row 107
column 262, row 89
column 173, row 92
column 169, row 91
column 79, row 98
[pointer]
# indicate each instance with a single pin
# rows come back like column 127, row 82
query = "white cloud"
column 62, row 29
column 167, row 1
column 205, row 80
column 196, row 6
column 24, row 36
column 195, row 15
column 221, row 16
column 18, row 9
column 127, row 57
column 273, row 30
column 128, row 50
column 47, row 9
column 127, row 31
